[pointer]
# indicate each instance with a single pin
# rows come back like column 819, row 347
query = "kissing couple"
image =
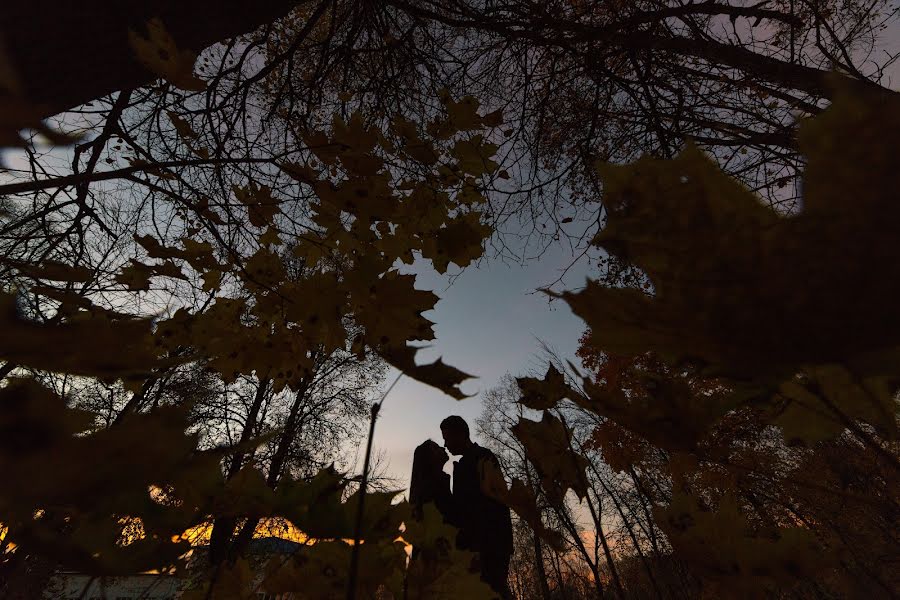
column 484, row 524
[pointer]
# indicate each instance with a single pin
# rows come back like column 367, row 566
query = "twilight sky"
column 488, row 323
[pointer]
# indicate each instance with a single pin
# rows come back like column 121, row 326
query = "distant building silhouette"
column 69, row 585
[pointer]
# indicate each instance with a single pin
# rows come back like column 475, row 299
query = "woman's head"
column 431, row 454
column 428, row 463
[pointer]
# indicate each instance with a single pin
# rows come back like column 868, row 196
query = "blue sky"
column 489, row 322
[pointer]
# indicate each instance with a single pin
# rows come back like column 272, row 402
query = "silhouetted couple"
column 484, row 523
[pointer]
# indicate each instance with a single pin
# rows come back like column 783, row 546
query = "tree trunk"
column 598, row 529
column 69, row 53
column 538, row 549
column 276, row 468
column 223, row 527
column 637, row 546
column 539, row 567
column 6, row 369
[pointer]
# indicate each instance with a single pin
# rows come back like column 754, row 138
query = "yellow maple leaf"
column 159, row 53
column 548, row 444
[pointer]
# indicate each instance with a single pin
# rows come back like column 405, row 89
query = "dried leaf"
column 160, row 55
column 437, row 374
column 548, row 445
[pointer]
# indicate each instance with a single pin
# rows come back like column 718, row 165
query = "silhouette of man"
column 484, row 523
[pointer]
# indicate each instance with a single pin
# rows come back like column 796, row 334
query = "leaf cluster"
column 754, row 322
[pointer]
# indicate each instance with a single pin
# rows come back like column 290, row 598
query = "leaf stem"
column 357, row 528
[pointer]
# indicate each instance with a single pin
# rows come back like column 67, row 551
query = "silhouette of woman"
column 429, row 483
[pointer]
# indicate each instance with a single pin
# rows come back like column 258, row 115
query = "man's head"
column 456, row 434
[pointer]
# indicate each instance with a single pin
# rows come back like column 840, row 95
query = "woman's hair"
column 428, row 458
